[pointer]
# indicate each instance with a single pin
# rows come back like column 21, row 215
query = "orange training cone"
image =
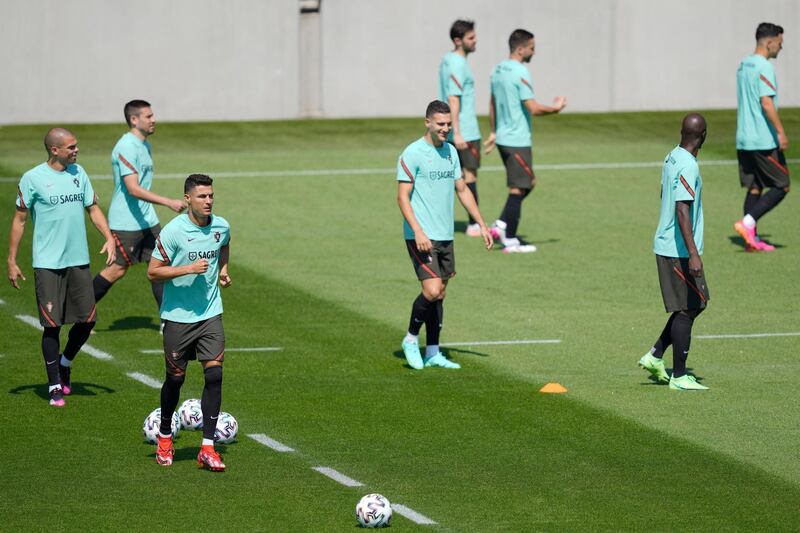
column 553, row 388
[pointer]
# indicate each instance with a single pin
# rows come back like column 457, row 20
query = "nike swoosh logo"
column 419, row 321
column 190, row 240
column 51, row 362
column 213, row 417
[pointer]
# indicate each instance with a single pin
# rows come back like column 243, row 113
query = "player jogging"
column 457, row 89
column 191, row 258
column 56, row 194
column 510, row 108
column 678, row 245
column 760, row 137
column 427, row 172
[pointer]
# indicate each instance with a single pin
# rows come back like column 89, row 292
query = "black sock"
column 473, row 187
column 750, row 200
column 419, row 312
column 158, row 291
column 78, row 334
column 681, row 340
column 768, row 200
column 433, row 323
column 511, row 213
column 50, row 343
column 101, row 286
column 170, row 393
column 211, row 400
column 665, row 339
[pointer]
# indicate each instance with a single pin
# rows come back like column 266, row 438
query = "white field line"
column 262, row 349
column 338, row 476
column 91, row 350
column 497, row 343
column 411, row 514
column 270, row 443
column 2, row 302
column 144, row 378
column 748, row 335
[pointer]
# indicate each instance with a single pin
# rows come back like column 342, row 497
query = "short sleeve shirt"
column 56, row 201
column 433, row 172
column 131, row 155
column 511, row 86
column 680, row 182
column 754, row 79
column 456, row 79
column 192, row 297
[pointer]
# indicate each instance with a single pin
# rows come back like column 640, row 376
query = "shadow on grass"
column 738, row 241
column 445, row 351
column 78, row 389
column 652, row 380
column 134, row 322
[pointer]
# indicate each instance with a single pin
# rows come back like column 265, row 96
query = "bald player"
column 56, row 194
column 678, row 245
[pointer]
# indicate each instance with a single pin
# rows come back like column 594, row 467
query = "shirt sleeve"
column 686, row 184
column 457, row 161
column 226, row 240
column 525, row 86
column 406, row 168
column 455, row 81
column 89, row 196
column 767, row 84
column 165, row 247
column 126, row 160
column 25, row 193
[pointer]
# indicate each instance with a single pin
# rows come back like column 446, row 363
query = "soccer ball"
column 191, row 414
column 374, row 510
column 227, row 428
column 153, row 423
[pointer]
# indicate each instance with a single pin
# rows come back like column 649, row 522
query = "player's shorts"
column 204, row 341
column 471, row 156
column 135, row 246
column 440, row 262
column 64, row 296
column 763, row 169
column 680, row 290
column 519, row 166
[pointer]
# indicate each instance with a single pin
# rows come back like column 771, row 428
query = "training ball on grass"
column 227, row 428
column 374, row 510
column 153, row 423
column 191, row 415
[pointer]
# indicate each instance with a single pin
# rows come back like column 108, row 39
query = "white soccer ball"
column 191, row 415
column 152, row 424
column 374, row 510
column 227, row 428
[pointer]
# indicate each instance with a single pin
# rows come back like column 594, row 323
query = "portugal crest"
column 217, row 236
column 76, row 182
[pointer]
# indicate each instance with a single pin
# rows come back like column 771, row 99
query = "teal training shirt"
column 456, row 79
column 680, row 182
column 192, row 297
column 511, row 86
column 754, row 79
column 433, row 172
column 131, row 155
column 56, row 201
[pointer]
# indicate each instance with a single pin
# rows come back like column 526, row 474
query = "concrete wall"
column 240, row 59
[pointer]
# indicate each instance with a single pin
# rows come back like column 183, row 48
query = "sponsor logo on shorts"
column 49, row 307
column 176, row 355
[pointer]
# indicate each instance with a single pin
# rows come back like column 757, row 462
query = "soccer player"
column 56, row 194
column 131, row 216
column 511, row 105
column 427, row 172
column 760, row 137
column 191, row 258
column 678, row 245
column 457, row 89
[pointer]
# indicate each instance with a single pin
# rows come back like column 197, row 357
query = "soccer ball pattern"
column 374, row 510
column 153, row 423
column 191, row 415
column 227, row 428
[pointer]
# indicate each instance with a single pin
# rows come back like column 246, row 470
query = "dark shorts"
column 471, row 156
column 519, row 166
column 135, row 246
column 204, row 341
column 763, row 169
column 439, row 263
column 680, row 290
column 64, row 296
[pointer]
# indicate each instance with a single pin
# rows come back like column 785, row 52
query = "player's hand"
column 177, row 205
column 224, row 280
column 423, row 242
column 783, row 141
column 488, row 240
column 14, row 273
column 695, row 266
column 489, row 144
column 559, row 102
column 109, row 248
column 459, row 141
column 198, row 267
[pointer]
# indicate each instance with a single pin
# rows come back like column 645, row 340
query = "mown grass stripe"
column 270, row 443
column 338, row 476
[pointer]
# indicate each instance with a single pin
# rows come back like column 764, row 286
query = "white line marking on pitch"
column 2, row 302
column 270, row 443
column 411, row 514
column 144, row 378
column 338, row 476
column 91, row 350
column 263, row 349
column 493, row 343
column 748, row 335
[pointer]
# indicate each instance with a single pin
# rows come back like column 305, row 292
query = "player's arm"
column 455, row 106
column 159, row 270
column 224, row 277
column 404, row 189
column 14, row 238
column 488, row 145
column 137, row 191
column 468, row 201
column 768, row 105
column 535, row 108
column 682, row 209
column 100, row 222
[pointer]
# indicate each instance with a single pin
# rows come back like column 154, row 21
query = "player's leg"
column 179, row 347
column 51, row 295
column 427, row 269
column 211, row 354
column 770, row 170
column 445, row 259
column 127, row 242
column 692, row 297
column 653, row 361
column 521, row 181
column 81, row 311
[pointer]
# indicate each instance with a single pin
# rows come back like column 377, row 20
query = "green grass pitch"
column 319, row 268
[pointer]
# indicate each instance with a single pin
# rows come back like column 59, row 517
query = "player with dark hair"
column 56, row 194
column 760, row 137
column 678, row 245
column 511, row 105
column 457, row 89
column 131, row 216
column 428, row 171
column 191, row 259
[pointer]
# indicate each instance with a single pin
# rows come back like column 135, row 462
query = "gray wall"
column 242, row 59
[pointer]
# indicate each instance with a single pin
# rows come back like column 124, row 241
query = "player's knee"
column 175, row 380
column 213, row 374
column 756, row 191
column 786, row 190
column 691, row 313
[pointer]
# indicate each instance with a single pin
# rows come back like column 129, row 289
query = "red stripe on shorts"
column 777, row 164
column 413, row 251
column 122, row 250
column 524, row 165
column 689, row 283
